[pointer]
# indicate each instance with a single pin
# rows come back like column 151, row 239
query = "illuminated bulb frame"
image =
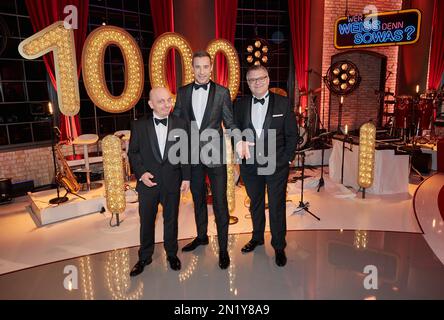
column 158, row 59
column 226, row 48
column 366, row 164
column 65, row 68
column 113, row 174
column 93, row 66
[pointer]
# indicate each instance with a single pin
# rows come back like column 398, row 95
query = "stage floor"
column 24, row 243
column 326, row 258
column 321, row 265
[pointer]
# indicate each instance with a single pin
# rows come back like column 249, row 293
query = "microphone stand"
column 345, row 139
column 321, row 180
column 302, row 205
column 323, row 146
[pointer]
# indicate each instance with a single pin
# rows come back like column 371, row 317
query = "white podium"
column 391, row 172
column 75, row 207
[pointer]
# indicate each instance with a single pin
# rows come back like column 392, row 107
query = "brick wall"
column 332, row 11
column 362, row 104
column 33, row 164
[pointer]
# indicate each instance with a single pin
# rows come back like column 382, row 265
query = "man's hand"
column 146, row 179
column 243, row 150
column 185, row 186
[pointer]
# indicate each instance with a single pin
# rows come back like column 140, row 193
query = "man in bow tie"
column 267, row 116
column 160, row 180
column 206, row 105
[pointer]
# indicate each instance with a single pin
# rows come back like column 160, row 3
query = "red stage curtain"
column 163, row 21
column 43, row 14
column 225, row 12
column 436, row 67
column 299, row 13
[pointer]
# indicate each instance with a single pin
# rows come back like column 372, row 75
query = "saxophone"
column 64, row 176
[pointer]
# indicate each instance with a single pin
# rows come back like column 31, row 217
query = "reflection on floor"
column 24, row 244
column 321, row 265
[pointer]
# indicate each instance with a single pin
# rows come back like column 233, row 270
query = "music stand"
column 302, row 205
column 322, row 146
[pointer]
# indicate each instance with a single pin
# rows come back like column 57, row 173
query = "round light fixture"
column 257, row 52
column 342, row 77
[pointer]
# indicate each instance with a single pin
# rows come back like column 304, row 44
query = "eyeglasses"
column 257, row 80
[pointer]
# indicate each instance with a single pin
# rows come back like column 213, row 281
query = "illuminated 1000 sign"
column 60, row 41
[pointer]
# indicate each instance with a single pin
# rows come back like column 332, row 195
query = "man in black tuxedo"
column 271, row 123
column 205, row 105
column 160, row 180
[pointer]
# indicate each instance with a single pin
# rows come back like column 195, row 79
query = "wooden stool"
column 85, row 140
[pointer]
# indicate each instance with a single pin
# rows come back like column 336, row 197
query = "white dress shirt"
column 161, row 133
column 199, row 103
column 258, row 113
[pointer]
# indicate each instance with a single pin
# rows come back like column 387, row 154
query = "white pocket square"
column 278, row 115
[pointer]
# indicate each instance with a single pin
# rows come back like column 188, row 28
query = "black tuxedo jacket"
column 144, row 155
column 219, row 109
column 279, row 117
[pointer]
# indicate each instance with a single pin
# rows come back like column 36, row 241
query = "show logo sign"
column 378, row 29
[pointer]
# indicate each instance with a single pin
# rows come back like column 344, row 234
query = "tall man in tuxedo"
column 206, row 105
column 262, row 112
column 160, row 180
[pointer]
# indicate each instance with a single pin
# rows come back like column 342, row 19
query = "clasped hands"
column 147, row 177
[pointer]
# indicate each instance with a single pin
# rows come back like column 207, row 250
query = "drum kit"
column 409, row 117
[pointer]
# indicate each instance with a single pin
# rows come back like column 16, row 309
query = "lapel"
column 269, row 115
column 151, row 131
column 248, row 122
column 209, row 107
column 168, row 143
column 189, row 101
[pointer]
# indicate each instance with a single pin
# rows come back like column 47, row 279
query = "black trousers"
column 148, row 205
column 218, row 184
column 276, row 189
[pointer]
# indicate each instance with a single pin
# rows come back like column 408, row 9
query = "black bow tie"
column 162, row 121
column 198, row 86
column 256, row 100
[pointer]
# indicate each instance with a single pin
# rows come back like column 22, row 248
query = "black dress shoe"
column 194, row 244
column 139, row 266
column 224, row 259
column 281, row 259
column 174, row 262
column 251, row 245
